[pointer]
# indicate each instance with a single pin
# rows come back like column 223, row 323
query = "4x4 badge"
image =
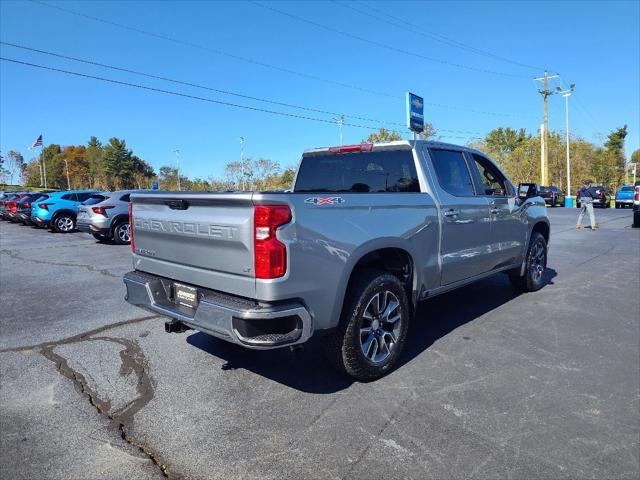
column 324, row 200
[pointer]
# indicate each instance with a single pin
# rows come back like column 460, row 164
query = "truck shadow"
column 307, row 370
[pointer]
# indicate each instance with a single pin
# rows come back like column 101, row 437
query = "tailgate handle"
column 177, row 204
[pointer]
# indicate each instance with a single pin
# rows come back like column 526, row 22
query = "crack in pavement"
column 91, row 268
column 132, row 360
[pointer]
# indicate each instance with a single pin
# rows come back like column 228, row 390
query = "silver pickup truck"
column 367, row 232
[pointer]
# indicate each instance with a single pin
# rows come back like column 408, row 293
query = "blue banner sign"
column 154, row 185
column 415, row 112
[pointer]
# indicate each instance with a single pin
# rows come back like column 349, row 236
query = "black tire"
column 100, row 237
column 121, row 234
column 63, row 223
column 347, row 345
column 617, row 205
column 577, row 204
column 535, row 266
column 636, row 219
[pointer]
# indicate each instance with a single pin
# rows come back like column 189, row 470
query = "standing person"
column 587, row 194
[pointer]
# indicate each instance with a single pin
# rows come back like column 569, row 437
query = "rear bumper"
column 238, row 320
column 88, row 227
column 24, row 217
column 626, row 201
column 40, row 222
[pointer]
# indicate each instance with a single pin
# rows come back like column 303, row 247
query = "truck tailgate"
column 198, row 238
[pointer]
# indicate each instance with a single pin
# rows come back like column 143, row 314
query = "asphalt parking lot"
column 492, row 384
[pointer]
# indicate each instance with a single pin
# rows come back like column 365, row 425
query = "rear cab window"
column 382, row 171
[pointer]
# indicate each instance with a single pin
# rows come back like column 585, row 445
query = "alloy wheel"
column 538, row 262
column 64, row 224
column 124, row 233
column 381, row 326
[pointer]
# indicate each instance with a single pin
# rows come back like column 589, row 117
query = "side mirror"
column 527, row 190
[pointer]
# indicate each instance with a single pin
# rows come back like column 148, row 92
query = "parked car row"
column 105, row 215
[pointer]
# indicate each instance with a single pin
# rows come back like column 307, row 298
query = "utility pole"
column 242, row 162
column 177, row 152
column 546, row 93
column 340, row 121
column 566, row 94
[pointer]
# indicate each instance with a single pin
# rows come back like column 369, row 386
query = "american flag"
column 37, row 143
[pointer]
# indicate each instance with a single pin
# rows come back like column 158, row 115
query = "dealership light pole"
column 566, row 94
column 242, row 163
column 177, row 152
column 340, row 121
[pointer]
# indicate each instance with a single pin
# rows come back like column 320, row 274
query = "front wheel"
column 535, row 266
column 64, row 224
column 373, row 327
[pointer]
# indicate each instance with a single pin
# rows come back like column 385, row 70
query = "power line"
column 433, row 35
column 381, row 45
column 266, row 65
column 195, row 97
column 216, row 51
column 217, row 90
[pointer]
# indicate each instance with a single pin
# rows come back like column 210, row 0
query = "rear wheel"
column 535, row 266
column 373, row 327
column 122, row 233
column 64, row 223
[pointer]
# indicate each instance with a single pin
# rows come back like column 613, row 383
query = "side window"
column 125, row 198
column 453, row 173
column 69, row 196
column 493, row 181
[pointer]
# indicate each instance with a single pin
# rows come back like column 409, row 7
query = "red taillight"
column 133, row 244
column 12, row 207
column 601, row 194
column 45, row 206
column 362, row 147
column 636, row 197
column 270, row 254
column 102, row 210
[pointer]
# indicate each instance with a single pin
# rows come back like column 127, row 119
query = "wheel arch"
column 394, row 257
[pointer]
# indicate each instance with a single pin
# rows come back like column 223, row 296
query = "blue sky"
column 594, row 44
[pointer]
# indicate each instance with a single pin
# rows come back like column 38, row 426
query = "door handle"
column 451, row 213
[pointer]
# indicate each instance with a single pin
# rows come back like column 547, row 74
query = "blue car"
column 58, row 212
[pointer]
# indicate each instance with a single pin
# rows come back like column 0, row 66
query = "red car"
column 11, row 207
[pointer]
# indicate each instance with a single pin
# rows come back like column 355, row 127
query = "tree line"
column 113, row 165
column 518, row 154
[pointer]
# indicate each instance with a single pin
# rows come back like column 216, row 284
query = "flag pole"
column 44, row 164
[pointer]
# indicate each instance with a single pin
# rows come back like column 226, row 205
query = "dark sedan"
column 552, row 195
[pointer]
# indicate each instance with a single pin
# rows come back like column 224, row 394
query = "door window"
column 492, row 181
column 453, row 173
